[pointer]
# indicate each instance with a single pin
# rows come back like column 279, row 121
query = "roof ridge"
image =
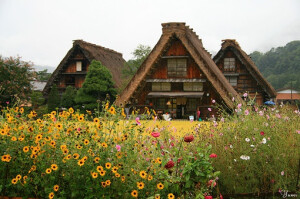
column 95, row 45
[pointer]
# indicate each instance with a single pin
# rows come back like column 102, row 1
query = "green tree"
column 53, row 99
column 43, row 75
column 139, row 55
column 15, row 77
column 98, row 83
column 36, row 99
column 68, row 97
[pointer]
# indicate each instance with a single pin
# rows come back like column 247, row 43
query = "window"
column 191, row 104
column 161, row 86
column 229, row 64
column 78, row 66
column 232, row 80
column 177, row 67
column 193, row 86
column 160, row 103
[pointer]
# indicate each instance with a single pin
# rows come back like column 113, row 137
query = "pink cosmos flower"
column 233, row 99
column 155, row 134
column 213, row 101
column 246, row 112
column 239, row 106
column 245, row 94
column 118, row 147
column 298, row 131
column 138, row 121
column 282, row 173
column 209, row 109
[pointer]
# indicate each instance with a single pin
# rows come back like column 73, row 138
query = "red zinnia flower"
column 262, row 133
column 208, row 197
column 188, row 138
column 155, row 134
column 169, row 164
column 213, row 155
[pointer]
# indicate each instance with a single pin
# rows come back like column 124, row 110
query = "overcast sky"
column 42, row 31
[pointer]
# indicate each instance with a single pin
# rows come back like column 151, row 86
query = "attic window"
column 229, row 64
column 232, row 80
column 177, row 67
column 193, row 86
column 78, row 66
column 161, row 86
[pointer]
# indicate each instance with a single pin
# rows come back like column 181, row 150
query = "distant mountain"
column 280, row 66
column 50, row 69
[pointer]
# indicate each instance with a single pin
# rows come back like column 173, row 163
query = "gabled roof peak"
column 82, row 42
column 229, row 42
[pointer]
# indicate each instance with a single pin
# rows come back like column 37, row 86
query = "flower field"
column 73, row 155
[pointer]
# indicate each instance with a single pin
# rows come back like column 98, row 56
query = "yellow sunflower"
column 160, row 186
column 51, row 195
column 143, row 174
column 25, row 149
column 94, row 174
column 56, row 187
column 112, row 110
column 171, row 196
column 107, row 182
column 48, row 171
column 140, row 185
column 134, row 193
column 107, row 165
column 54, row 167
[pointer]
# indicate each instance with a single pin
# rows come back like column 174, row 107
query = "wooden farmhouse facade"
column 179, row 77
column 242, row 73
column 73, row 68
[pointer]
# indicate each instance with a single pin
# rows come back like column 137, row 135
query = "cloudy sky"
column 42, row 31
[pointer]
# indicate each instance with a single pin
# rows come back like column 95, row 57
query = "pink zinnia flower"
column 155, row 134
column 138, row 121
column 118, row 147
column 213, row 155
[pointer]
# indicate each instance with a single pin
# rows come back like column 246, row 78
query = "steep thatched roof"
column 111, row 59
column 195, row 48
column 247, row 61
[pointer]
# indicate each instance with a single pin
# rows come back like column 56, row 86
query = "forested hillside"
column 281, row 66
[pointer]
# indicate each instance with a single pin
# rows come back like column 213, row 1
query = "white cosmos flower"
column 247, row 140
column 245, row 157
column 264, row 141
column 252, row 145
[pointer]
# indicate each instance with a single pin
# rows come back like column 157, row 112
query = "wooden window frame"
column 230, row 78
column 78, row 66
column 177, row 67
column 229, row 64
column 194, row 86
column 161, row 86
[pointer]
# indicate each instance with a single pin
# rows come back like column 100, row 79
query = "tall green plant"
column 53, row 99
column 68, row 97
